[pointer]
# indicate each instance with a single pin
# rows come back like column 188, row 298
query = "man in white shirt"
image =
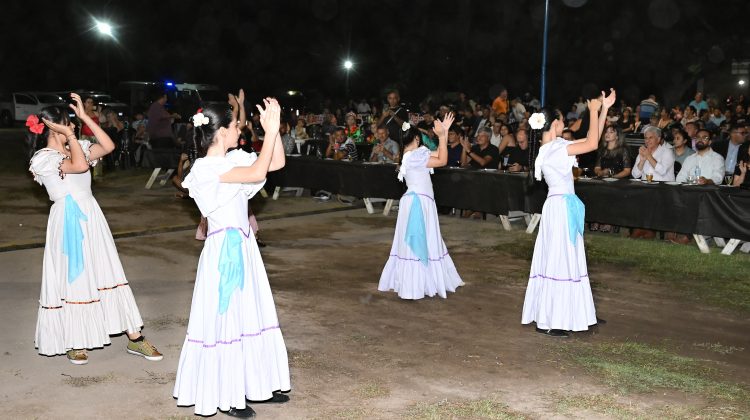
column 709, row 164
column 654, row 158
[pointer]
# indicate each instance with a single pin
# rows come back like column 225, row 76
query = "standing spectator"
column 648, row 107
column 729, row 148
column 500, row 104
column 394, row 115
column 385, row 150
column 698, row 103
column 159, row 126
column 518, row 111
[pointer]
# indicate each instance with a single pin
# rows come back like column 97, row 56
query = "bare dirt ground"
column 354, row 352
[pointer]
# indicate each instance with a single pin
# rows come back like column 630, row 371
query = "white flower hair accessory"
column 537, row 121
column 199, row 119
column 405, row 126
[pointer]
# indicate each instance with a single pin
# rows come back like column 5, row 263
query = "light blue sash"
column 73, row 237
column 231, row 268
column 576, row 214
column 416, row 234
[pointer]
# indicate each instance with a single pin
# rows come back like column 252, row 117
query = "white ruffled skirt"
column 558, row 295
column 404, row 273
column 98, row 303
column 239, row 354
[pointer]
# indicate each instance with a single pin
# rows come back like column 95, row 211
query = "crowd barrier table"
column 705, row 211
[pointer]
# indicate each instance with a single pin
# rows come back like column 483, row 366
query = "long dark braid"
column 535, row 140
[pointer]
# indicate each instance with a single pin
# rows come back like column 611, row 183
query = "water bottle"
column 697, row 173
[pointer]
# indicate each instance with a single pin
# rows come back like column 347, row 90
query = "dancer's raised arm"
column 441, row 129
column 591, row 141
column 270, row 120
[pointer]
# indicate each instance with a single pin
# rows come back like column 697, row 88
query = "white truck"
column 17, row 106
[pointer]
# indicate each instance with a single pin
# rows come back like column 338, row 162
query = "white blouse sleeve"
column 86, row 145
column 46, row 162
column 242, row 158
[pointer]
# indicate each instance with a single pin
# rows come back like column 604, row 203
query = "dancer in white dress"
column 234, row 350
column 558, row 296
column 85, row 296
column 419, row 264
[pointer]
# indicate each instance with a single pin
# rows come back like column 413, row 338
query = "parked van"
column 17, row 106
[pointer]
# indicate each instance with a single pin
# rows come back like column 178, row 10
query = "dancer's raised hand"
column 270, row 117
column 77, row 106
column 58, row 128
column 241, row 97
column 608, row 101
column 441, row 127
column 594, row 105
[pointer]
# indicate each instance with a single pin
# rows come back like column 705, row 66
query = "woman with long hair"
column 419, row 264
column 612, row 161
column 85, row 296
column 233, row 351
column 558, row 296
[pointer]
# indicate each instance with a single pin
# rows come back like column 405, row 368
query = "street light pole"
column 543, row 94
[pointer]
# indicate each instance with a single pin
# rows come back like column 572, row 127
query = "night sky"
column 418, row 46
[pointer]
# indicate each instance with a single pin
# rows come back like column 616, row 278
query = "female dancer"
column 234, row 349
column 558, row 296
column 85, row 296
column 419, row 264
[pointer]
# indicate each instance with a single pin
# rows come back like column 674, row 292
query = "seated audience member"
column 740, row 173
column 286, row 138
column 340, row 147
column 509, row 138
column 567, row 134
column 655, row 157
column 482, row 154
column 497, row 134
column 716, row 118
column 705, row 164
column 729, row 148
column 647, row 107
column 518, row 156
column 680, row 147
column 353, row 130
column 385, row 149
column 455, row 149
column 300, row 130
column 665, row 120
column 330, row 125
column 691, row 129
column 613, row 159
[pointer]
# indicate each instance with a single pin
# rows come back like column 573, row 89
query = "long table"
column 702, row 210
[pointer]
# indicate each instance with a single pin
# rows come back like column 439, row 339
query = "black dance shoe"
column 553, row 333
column 278, row 398
column 245, row 413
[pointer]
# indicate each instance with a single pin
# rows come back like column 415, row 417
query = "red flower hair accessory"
column 34, row 125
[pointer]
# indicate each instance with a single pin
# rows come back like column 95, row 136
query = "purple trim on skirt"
column 236, row 340
column 417, row 259
column 247, row 235
column 556, row 279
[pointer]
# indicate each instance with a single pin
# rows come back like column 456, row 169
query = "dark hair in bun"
column 219, row 115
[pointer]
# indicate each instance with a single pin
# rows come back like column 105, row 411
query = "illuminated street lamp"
column 348, row 65
column 105, row 30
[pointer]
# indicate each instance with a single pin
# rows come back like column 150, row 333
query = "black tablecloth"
column 705, row 210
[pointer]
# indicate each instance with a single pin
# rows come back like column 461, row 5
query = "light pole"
column 544, row 54
column 105, row 30
column 347, row 66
